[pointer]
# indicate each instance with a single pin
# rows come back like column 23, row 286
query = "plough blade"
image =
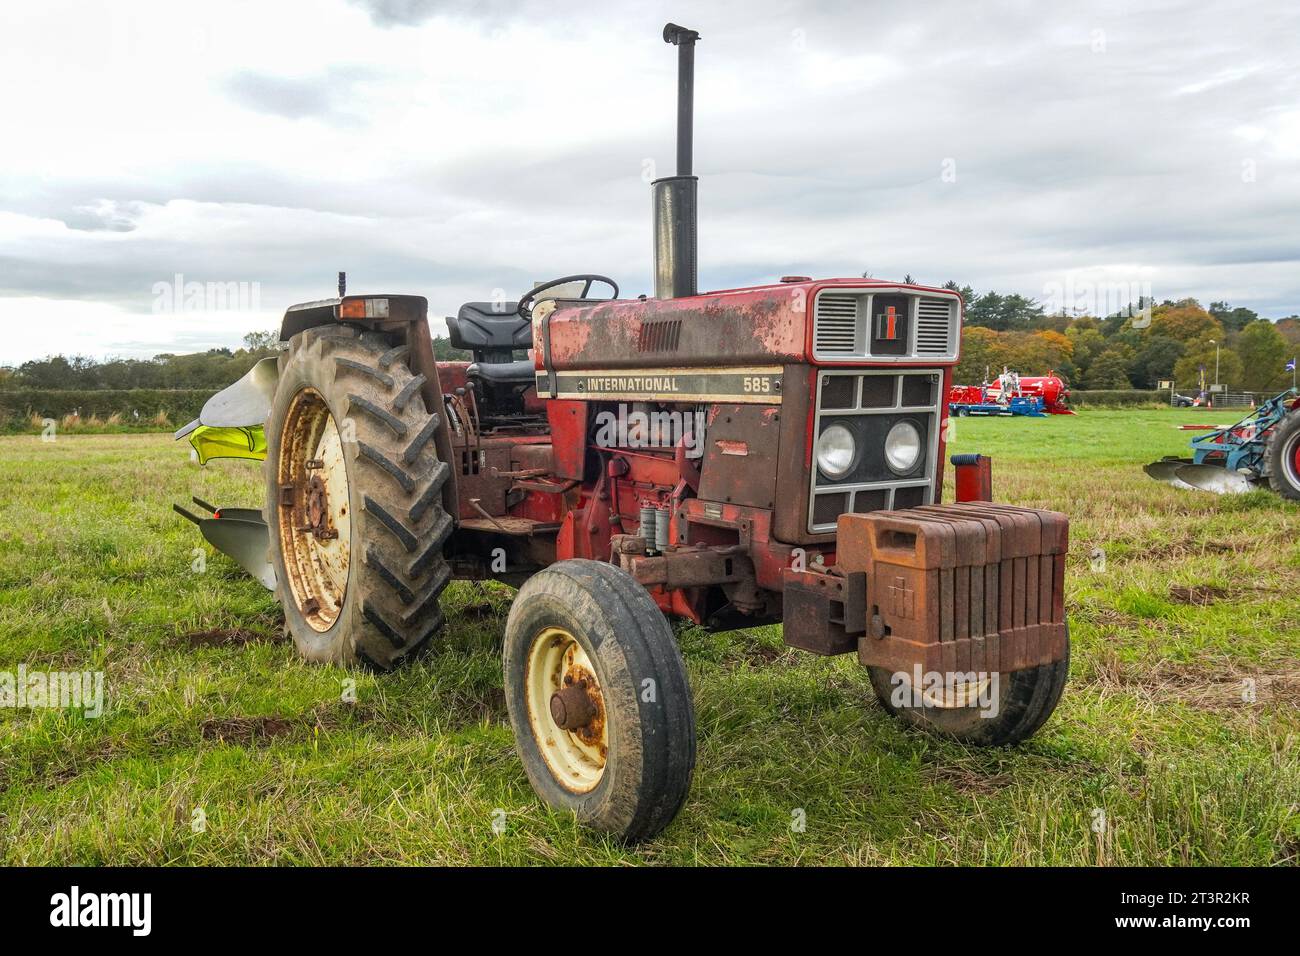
column 1212, row 478
column 238, row 533
column 1166, row 470
column 243, row 514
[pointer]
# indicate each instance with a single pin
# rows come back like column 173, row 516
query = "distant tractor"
column 1260, row 451
column 730, row 458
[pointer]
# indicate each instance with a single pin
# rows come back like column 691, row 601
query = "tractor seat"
column 493, row 332
column 490, row 327
column 504, row 372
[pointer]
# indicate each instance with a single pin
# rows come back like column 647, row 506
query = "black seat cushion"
column 504, row 372
column 490, row 327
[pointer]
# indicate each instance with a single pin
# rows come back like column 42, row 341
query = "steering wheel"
column 525, row 308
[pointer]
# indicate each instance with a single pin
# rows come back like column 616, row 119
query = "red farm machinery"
column 728, row 458
column 1033, row 396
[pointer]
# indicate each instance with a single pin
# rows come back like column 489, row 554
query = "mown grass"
column 1197, row 594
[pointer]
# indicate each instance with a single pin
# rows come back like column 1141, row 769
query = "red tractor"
column 730, row 458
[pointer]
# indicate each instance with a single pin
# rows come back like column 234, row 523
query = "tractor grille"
column 884, row 324
column 836, row 324
column 869, row 404
column 934, row 327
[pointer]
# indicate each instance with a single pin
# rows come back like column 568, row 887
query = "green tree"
column 1155, row 361
column 1088, row 344
column 1264, row 354
column 1232, row 320
column 1110, row 368
column 1201, row 354
column 444, row 352
column 262, row 341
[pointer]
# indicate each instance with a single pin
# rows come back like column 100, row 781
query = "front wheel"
column 598, row 699
column 983, row 713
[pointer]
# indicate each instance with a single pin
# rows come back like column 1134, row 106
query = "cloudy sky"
column 452, row 149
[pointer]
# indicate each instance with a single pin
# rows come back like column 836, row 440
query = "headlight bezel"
column 853, row 452
column 900, row 427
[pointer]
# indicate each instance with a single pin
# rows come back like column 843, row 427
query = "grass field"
column 209, row 709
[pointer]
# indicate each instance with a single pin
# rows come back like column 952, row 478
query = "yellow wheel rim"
column 957, row 695
column 573, row 732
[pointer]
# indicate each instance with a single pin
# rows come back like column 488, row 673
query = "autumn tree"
column 1185, row 322
column 980, row 350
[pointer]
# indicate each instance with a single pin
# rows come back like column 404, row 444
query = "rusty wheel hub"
column 317, row 503
column 566, row 710
column 571, row 706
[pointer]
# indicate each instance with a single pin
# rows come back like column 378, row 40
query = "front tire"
column 353, row 503
column 598, row 699
column 1025, row 700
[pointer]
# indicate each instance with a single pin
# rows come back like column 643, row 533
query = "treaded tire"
column 1283, row 447
column 396, row 567
column 1025, row 700
column 651, row 743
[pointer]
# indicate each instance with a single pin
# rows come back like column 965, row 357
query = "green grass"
column 1197, row 595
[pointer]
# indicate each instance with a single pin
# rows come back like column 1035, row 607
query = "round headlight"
column 835, row 451
column 903, row 447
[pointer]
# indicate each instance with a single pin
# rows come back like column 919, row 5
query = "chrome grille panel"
column 857, row 395
column 935, row 327
column 843, row 325
column 836, row 325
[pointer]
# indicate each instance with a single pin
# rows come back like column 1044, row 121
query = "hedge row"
column 1117, row 398
column 143, row 407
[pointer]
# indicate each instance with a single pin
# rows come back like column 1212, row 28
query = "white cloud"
column 449, row 150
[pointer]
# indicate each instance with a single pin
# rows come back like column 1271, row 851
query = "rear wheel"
column 973, row 713
column 354, row 504
column 1284, row 457
column 598, row 699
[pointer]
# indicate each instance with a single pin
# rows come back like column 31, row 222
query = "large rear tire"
column 1283, row 457
column 354, row 500
column 598, row 698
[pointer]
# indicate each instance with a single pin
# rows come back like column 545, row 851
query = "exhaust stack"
column 675, row 196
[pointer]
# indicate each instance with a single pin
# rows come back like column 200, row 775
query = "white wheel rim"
column 576, row 758
column 311, row 461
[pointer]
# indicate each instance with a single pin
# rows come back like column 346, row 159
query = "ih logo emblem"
column 902, row 599
column 887, row 325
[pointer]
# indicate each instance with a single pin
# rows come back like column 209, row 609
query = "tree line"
column 213, row 369
column 1136, row 347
